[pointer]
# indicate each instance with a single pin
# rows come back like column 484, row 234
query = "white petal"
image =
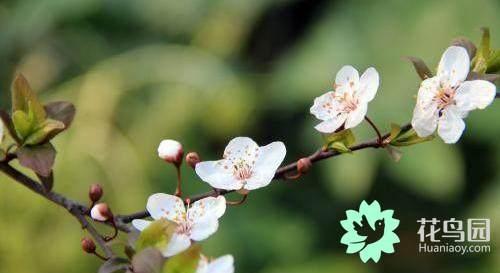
column 161, row 205
column 356, row 117
column 475, row 95
column 140, row 224
column 329, row 126
column 207, row 208
column 224, row 264
column 218, row 174
column 347, row 79
column 424, row 122
column 369, row 83
column 241, row 148
column 451, row 126
column 325, row 106
column 268, row 161
column 454, row 65
column 170, row 150
column 202, row 230
column 177, row 244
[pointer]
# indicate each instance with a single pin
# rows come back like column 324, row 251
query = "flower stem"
column 237, row 203
column 178, row 190
column 380, row 140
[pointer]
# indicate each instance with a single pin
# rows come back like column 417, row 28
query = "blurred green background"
column 204, row 72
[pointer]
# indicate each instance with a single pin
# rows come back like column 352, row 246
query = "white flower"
column 196, row 223
column 445, row 99
column 170, row 151
column 245, row 165
column 224, row 264
column 349, row 102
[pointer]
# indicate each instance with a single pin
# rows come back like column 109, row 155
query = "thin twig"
column 372, row 124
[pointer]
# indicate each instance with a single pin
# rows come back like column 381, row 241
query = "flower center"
column 445, row 97
column 349, row 103
column 184, row 227
column 242, row 170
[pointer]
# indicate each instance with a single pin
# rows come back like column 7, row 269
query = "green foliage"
column 407, row 137
column 340, row 141
column 157, row 235
column 38, row 158
column 185, row 262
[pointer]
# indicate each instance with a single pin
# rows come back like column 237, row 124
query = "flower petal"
column 369, row 83
column 331, row 125
column 454, row 65
column 202, row 230
column 347, row 79
column 161, row 205
column 218, row 174
column 224, row 264
column 451, row 126
column 140, row 224
column 424, row 122
column 241, row 148
column 207, row 208
column 325, row 106
column 268, row 161
column 356, row 117
column 177, row 244
column 475, row 95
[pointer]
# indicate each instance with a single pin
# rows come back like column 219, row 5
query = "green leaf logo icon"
column 370, row 231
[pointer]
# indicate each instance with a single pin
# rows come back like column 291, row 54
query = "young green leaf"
column 24, row 99
column 345, row 136
column 149, row 260
column 47, row 131
column 9, row 125
column 480, row 61
column 157, row 234
column 408, row 138
column 40, row 159
column 340, row 147
column 23, row 124
column 185, row 262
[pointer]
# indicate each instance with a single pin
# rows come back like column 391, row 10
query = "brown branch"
column 281, row 173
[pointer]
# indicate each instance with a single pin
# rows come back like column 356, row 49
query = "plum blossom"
column 171, row 151
column 245, row 165
column 348, row 104
column 444, row 100
column 198, row 222
column 101, row 212
column 224, row 264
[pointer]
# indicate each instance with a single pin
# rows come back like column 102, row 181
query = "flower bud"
column 88, row 245
column 192, row 159
column 101, row 212
column 171, row 151
column 95, row 192
column 303, row 165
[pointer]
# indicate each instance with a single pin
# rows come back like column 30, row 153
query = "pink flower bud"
column 88, row 245
column 303, row 165
column 95, row 192
column 171, row 151
column 101, row 212
column 192, row 159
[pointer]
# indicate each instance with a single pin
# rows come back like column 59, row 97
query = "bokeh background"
column 204, row 72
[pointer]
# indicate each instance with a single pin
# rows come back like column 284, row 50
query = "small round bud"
column 171, row 151
column 303, row 165
column 101, row 212
column 95, row 192
column 192, row 159
column 88, row 245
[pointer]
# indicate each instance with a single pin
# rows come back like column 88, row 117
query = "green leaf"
column 480, row 61
column 7, row 122
column 395, row 131
column 23, row 124
column 185, row 262
column 494, row 62
column 345, row 136
column 149, row 260
column 340, row 147
column 422, row 69
column 62, row 111
column 25, row 100
column 114, row 265
column 394, row 153
column 157, row 234
column 47, row 131
column 40, row 159
column 409, row 137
